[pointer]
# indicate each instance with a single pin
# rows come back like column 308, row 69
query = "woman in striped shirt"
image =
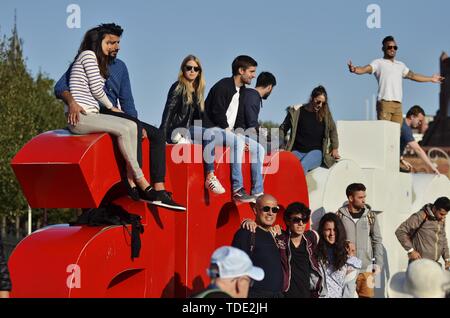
column 87, row 80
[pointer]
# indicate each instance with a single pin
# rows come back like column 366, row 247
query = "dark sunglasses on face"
column 297, row 220
column 319, row 102
column 390, row 47
column 190, row 68
column 274, row 209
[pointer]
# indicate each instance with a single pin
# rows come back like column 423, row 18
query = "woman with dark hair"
column 337, row 263
column 312, row 132
column 87, row 79
column 185, row 104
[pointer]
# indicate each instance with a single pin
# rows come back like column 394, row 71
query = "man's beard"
column 112, row 57
column 266, row 96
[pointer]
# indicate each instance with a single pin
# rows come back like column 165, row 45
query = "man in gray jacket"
column 363, row 230
column 422, row 235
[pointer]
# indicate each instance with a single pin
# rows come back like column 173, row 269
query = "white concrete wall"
column 371, row 156
column 371, row 144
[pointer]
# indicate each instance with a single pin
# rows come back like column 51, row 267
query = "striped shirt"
column 117, row 86
column 86, row 83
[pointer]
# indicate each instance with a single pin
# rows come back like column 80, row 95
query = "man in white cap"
column 231, row 272
column 424, row 278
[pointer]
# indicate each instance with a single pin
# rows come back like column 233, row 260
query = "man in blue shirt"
column 118, row 90
column 414, row 118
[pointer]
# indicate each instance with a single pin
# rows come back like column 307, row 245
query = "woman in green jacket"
column 312, row 132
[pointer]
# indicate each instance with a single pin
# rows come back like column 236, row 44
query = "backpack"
column 420, row 226
column 112, row 214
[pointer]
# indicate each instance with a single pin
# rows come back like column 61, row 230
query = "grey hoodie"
column 367, row 239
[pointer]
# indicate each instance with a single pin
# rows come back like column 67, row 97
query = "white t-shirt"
column 389, row 76
column 232, row 110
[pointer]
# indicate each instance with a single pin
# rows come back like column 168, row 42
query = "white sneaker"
column 213, row 185
column 257, row 195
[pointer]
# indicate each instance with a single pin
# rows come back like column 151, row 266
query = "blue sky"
column 304, row 43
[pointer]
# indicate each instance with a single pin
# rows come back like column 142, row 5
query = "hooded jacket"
column 423, row 232
column 366, row 236
column 330, row 141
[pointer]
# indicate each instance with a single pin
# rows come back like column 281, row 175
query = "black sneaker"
column 160, row 198
column 242, row 196
column 133, row 193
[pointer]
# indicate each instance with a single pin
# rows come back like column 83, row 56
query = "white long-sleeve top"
column 86, row 83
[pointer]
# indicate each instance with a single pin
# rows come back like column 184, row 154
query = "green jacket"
column 290, row 125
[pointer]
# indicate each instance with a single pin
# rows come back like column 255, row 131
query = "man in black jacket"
column 5, row 282
column 264, row 250
column 253, row 98
column 225, row 109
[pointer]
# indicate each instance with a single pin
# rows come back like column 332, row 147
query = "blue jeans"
column 220, row 137
column 310, row 160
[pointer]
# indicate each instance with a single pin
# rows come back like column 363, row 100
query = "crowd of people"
column 96, row 91
column 342, row 258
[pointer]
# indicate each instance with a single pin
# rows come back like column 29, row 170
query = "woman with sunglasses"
column 336, row 258
column 312, row 132
column 184, row 106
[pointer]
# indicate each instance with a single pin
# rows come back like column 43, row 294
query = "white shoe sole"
column 216, row 192
column 164, row 205
column 251, row 200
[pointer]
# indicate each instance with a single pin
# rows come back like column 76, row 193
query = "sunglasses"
column 274, row 209
column 319, row 102
column 390, row 47
column 297, row 220
column 190, row 68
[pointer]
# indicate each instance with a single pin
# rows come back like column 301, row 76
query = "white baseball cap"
column 233, row 262
column 424, row 278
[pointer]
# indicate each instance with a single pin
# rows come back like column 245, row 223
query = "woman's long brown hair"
column 317, row 91
column 92, row 41
column 197, row 88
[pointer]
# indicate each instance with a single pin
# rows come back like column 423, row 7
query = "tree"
column 27, row 108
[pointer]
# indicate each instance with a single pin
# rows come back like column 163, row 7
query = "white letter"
column 374, row 20
column 74, row 279
column 74, row 19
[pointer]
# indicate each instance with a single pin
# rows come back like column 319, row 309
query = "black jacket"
column 177, row 114
column 218, row 101
column 252, row 106
column 311, row 238
column 5, row 281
